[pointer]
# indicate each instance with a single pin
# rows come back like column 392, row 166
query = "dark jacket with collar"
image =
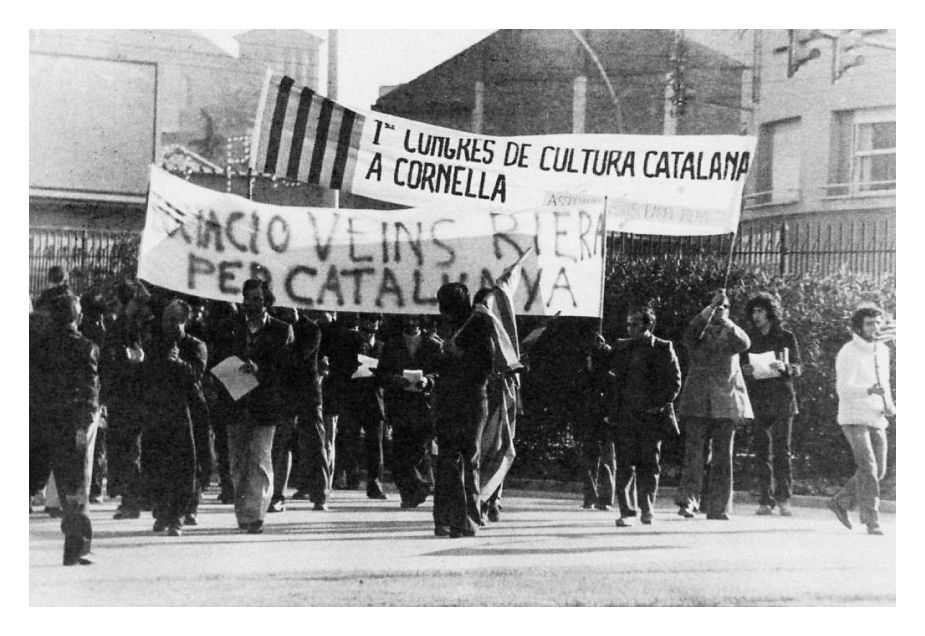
column 647, row 379
column 773, row 394
column 270, row 349
column 63, row 373
column 173, row 388
column 396, row 358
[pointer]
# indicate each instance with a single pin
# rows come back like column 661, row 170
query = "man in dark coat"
column 263, row 344
column 308, row 475
column 461, row 409
column 713, row 401
column 773, row 401
column 362, row 410
column 172, row 374
column 647, row 379
column 64, row 364
column 120, row 374
column 59, row 287
column 408, row 372
column 221, row 321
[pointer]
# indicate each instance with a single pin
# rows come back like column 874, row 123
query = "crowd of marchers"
column 121, row 386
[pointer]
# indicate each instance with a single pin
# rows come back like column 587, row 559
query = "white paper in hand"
column 761, row 364
column 367, row 365
column 414, row 376
column 229, row 373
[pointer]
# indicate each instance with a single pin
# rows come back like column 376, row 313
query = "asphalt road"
column 544, row 551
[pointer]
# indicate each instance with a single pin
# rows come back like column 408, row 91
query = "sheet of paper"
column 761, row 363
column 366, row 368
column 229, row 373
column 414, row 376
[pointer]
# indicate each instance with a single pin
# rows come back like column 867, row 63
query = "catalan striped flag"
column 304, row 136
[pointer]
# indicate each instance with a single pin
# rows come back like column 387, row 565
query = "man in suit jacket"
column 63, row 370
column 407, row 406
column 263, row 343
column 172, row 374
column 713, row 401
column 647, row 379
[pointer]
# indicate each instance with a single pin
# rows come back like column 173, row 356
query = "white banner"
column 206, row 243
column 655, row 184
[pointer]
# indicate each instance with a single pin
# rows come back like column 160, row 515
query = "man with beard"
column 64, row 365
column 172, row 373
column 263, row 344
column 713, row 401
column 407, row 370
column 461, row 410
column 647, row 379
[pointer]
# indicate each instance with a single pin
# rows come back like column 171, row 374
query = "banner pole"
column 600, row 318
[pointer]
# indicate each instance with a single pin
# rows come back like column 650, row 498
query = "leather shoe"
column 720, row 516
column 159, row 525
column 624, row 522
column 604, row 507
column 189, row 519
column 494, row 514
column 456, row 533
column 686, row 512
column 175, row 530
column 376, row 495
column 127, row 513
column 77, row 561
column 441, row 531
column 874, row 528
column 320, row 506
column 840, row 513
column 255, row 527
column 301, row 495
column 646, row 518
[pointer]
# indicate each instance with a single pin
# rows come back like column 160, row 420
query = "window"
column 777, row 176
column 863, row 152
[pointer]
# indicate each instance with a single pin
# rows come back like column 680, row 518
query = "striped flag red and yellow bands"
column 305, row 136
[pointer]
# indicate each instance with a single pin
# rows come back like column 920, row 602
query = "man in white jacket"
column 862, row 370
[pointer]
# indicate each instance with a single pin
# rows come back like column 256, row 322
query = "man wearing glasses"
column 647, row 380
column 713, row 400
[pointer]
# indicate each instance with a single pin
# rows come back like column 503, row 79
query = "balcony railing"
column 858, row 189
column 783, row 196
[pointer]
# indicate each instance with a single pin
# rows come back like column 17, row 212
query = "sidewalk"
column 567, row 489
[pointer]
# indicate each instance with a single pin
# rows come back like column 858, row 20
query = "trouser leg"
column 448, row 486
column 221, row 415
column 692, row 470
column 722, row 432
column 762, row 435
column 591, row 463
column 73, row 467
column 783, row 463
column 252, row 469
column 471, row 456
column 373, row 427
column 99, row 463
column 864, row 487
column 648, row 470
column 39, row 457
column 606, row 482
column 125, row 459
column 627, row 450
column 281, row 456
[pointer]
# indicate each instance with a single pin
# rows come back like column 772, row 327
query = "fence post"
column 783, row 248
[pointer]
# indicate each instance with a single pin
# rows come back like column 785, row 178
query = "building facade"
column 823, row 188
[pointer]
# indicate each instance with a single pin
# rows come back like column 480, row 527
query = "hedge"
column 815, row 308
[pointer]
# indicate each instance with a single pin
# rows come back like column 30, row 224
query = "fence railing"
column 813, row 244
column 797, row 245
column 89, row 257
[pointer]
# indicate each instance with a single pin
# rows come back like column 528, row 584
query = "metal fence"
column 812, row 245
column 803, row 245
column 89, row 257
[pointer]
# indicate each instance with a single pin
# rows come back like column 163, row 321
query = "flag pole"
column 732, row 243
column 600, row 317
